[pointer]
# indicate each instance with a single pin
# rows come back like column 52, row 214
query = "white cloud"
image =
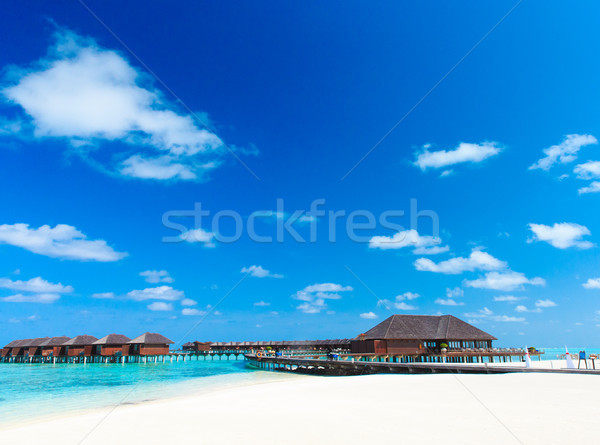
column 592, row 283
column 455, row 292
column 156, row 293
column 448, row 302
column 564, row 152
column 424, row 245
column 89, row 95
column 522, row 308
column 561, row 235
column 188, row 302
column 157, row 276
column 588, row 170
column 34, row 298
column 594, row 187
column 262, row 304
column 508, row 298
column 35, row 285
column 477, row 260
column 545, row 303
column 188, row 311
column 464, row 152
column 504, row 281
column 315, row 295
column 199, row 236
column 400, row 302
column 62, row 241
column 260, row 272
column 160, row 306
column 486, row 314
column 104, row 295
column 368, row 315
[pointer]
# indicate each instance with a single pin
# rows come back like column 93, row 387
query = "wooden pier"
column 350, row 366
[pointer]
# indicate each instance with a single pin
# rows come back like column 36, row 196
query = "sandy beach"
column 449, row 409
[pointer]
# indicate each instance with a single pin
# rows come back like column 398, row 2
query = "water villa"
column 82, row 345
column 150, row 344
column 421, row 335
column 112, row 344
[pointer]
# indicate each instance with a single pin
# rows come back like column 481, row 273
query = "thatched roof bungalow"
column 7, row 351
column 420, row 334
column 112, row 344
column 150, row 344
column 33, row 347
column 54, row 346
column 80, row 345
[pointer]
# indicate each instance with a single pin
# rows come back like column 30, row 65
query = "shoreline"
column 421, row 408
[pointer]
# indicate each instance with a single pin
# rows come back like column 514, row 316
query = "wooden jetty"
column 349, row 366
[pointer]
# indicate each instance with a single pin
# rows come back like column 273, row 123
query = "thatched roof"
column 81, row 340
column 150, row 338
column 34, row 342
column 113, row 339
column 425, row 327
column 13, row 344
column 56, row 341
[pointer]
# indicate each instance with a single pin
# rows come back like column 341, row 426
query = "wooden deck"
column 322, row 366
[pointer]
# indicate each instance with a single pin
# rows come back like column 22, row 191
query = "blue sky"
column 103, row 133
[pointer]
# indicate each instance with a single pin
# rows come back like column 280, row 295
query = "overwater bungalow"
column 8, row 349
column 111, row 345
column 80, row 345
column 195, row 346
column 149, row 344
column 19, row 348
column 421, row 334
column 34, row 346
column 53, row 347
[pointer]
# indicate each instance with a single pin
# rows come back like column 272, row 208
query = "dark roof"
column 55, row 341
column 22, row 343
column 113, row 339
column 13, row 344
column 426, row 327
column 34, row 342
column 81, row 340
column 188, row 344
column 150, row 338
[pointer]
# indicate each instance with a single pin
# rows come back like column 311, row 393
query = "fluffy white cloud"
column 199, row 236
column 508, row 298
column 522, row 308
column 34, row 298
column 545, row 303
column 160, row 306
column 592, row 283
column 260, row 272
column 561, row 235
column 104, row 295
column 504, row 281
column 564, row 152
column 35, row 285
column 166, row 293
column 188, row 302
column 188, row 311
column 486, row 314
column 464, row 152
column 315, row 295
column 262, row 304
column 588, row 170
column 448, row 302
column 399, row 302
column 477, row 260
column 368, row 315
column 89, row 95
column 408, row 238
column 156, row 276
column 594, row 187
column 61, row 241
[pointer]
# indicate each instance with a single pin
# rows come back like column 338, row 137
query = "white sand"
column 417, row 409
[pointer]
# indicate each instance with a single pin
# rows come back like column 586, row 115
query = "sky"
column 299, row 171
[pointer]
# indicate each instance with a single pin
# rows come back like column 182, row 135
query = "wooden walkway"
column 323, row 366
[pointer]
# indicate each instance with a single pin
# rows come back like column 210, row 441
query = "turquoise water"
column 553, row 353
column 29, row 391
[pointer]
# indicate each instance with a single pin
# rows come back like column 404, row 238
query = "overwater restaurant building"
column 420, row 334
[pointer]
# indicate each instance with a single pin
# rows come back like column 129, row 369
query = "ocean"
column 31, row 391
